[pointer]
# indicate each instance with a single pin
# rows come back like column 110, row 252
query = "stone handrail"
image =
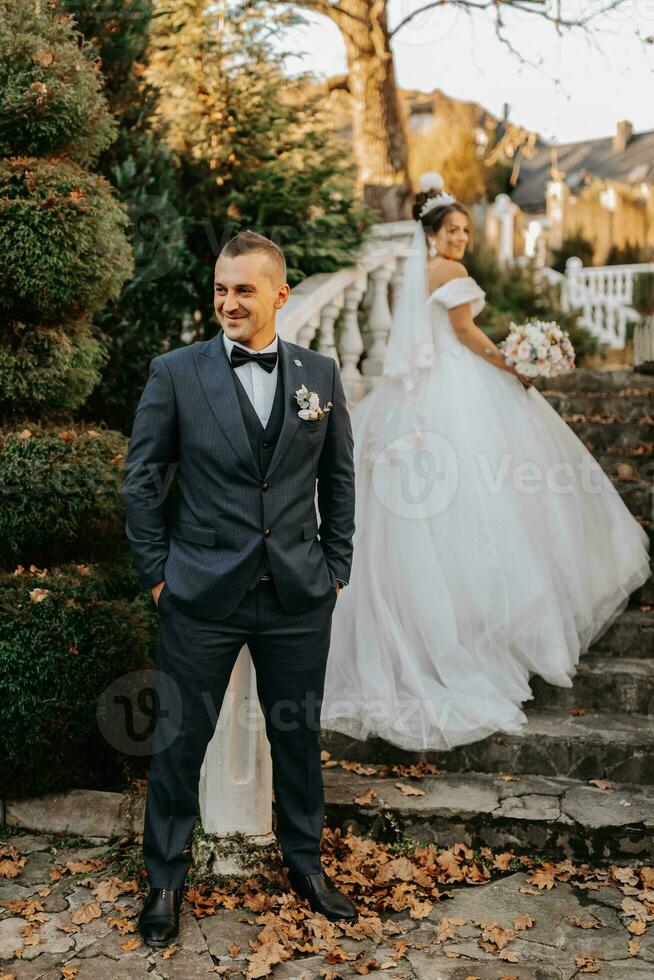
column 347, row 314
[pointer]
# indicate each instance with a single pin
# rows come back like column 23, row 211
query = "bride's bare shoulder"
column 447, row 269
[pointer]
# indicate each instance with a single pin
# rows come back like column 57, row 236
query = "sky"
column 573, row 86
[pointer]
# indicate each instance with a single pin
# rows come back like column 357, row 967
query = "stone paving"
column 560, row 933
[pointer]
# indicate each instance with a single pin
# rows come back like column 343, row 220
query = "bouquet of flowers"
column 538, row 349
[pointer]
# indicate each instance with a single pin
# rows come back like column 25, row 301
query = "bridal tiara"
column 436, row 202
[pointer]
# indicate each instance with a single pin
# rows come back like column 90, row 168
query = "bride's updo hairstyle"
column 431, row 185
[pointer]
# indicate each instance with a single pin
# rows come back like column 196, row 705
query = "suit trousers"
column 194, row 663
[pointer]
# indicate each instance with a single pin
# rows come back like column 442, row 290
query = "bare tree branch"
column 503, row 39
column 431, row 6
column 332, row 10
column 559, row 21
column 526, row 6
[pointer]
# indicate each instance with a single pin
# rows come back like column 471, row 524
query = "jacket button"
column 265, row 444
column 266, row 533
column 265, row 486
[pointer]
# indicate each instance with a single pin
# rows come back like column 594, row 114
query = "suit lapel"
column 214, row 373
column 291, row 376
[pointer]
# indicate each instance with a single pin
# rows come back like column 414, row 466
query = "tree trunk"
column 379, row 133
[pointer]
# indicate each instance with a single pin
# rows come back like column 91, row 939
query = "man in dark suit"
column 220, row 491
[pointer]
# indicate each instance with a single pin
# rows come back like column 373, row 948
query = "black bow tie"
column 241, row 356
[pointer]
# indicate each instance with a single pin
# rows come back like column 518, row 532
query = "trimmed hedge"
column 63, row 250
column 48, row 369
column 60, row 489
column 51, row 99
column 65, row 634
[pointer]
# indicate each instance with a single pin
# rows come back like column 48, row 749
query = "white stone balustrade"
column 604, row 295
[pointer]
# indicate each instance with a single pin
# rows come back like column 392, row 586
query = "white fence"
column 604, row 295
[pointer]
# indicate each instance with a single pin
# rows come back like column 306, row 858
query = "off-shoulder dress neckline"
column 444, row 284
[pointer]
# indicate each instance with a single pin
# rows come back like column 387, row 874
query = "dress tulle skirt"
column 489, row 546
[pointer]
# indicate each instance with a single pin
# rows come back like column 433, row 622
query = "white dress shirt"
column 258, row 383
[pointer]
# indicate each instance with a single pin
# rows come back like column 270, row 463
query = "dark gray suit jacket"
column 199, row 513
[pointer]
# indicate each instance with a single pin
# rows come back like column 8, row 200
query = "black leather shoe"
column 159, row 920
column 322, row 896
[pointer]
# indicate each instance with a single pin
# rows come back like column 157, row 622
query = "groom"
column 220, row 488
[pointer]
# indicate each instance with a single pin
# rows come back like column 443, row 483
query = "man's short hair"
column 250, row 241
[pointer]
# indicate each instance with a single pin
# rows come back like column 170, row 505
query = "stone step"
column 632, row 635
column 648, row 525
column 628, row 465
column 602, row 435
column 536, row 813
column 552, row 743
column 637, row 495
column 645, row 594
column 626, row 406
column 624, row 683
column 585, row 380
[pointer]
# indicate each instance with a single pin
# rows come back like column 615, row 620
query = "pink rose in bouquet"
column 538, row 349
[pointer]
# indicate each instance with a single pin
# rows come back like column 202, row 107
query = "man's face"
column 247, row 297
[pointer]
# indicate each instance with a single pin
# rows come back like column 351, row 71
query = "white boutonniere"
column 309, row 402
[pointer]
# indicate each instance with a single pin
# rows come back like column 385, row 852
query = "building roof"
column 601, row 158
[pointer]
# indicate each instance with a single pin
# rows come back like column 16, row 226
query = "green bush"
column 48, row 369
column 576, row 246
column 60, row 490
column 643, row 297
column 148, row 316
column 51, row 100
column 63, row 251
column 65, row 634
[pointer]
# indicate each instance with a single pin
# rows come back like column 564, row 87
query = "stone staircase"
column 539, row 788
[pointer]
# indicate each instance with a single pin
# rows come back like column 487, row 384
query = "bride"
column 489, row 543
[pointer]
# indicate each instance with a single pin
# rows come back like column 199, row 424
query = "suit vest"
column 263, row 442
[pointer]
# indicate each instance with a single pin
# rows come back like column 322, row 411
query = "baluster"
column 307, row 333
column 622, row 325
column 622, row 286
column 350, row 346
column 602, row 322
column 613, row 325
column 379, row 322
column 326, row 342
column 397, row 279
column 364, row 306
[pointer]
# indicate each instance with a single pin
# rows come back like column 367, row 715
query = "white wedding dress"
column 489, row 545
